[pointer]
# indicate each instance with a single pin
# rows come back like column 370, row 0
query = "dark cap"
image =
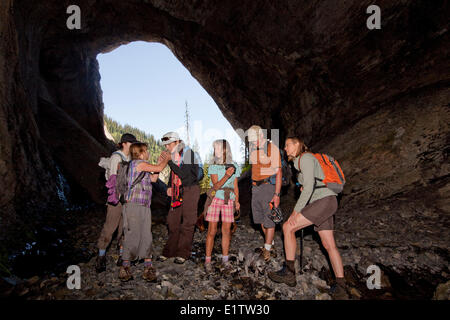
column 128, row 137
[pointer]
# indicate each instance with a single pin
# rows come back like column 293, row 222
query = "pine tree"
column 155, row 147
column 205, row 184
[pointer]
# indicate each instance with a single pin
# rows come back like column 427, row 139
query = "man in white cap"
column 184, row 191
column 266, row 184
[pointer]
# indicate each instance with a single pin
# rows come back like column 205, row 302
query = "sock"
column 101, row 252
column 207, row 260
column 121, row 250
column 291, row 265
column 224, row 258
column 267, row 246
column 147, row 263
column 126, row 263
column 340, row 281
column 273, row 242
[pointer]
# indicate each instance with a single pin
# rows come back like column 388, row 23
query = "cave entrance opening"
column 146, row 87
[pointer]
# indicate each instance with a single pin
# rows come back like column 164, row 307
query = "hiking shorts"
column 321, row 213
column 217, row 206
column 261, row 196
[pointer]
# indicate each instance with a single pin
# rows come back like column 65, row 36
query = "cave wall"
column 26, row 164
column 310, row 68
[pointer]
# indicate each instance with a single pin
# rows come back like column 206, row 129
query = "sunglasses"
column 165, row 139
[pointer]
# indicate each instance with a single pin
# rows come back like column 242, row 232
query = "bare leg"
column 264, row 230
column 212, row 230
column 226, row 237
column 327, row 238
column 296, row 222
column 270, row 234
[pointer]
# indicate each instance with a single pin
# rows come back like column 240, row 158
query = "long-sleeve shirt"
column 309, row 170
column 188, row 172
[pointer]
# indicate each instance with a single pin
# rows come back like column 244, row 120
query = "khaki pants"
column 113, row 221
column 181, row 222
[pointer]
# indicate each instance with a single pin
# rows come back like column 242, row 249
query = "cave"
column 376, row 99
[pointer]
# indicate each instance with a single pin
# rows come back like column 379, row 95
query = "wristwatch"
column 277, row 194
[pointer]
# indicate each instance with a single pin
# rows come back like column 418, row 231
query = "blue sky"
column 146, row 86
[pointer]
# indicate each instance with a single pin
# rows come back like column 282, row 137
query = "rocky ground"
column 411, row 253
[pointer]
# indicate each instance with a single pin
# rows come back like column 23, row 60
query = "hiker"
column 137, row 215
column 184, row 191
column 316, row 205
column 265, row 159
column 224, row 173
column 114, row 206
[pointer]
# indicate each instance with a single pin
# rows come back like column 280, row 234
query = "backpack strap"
column 121, row 155
column 315, row 178
column 266, row 148
column 136, row 181
column 299, row 158
column 266, row 151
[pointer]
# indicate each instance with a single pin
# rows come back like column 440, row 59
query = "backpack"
column 196, row 160
column 285, row 169
column 122, row 184
column 106, row 162
column 334, row 176
column 121, row 187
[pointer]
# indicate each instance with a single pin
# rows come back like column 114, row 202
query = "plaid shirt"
column 142, row 192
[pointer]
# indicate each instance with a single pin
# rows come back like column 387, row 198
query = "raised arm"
column 189, row 167
column 162, row 163
column 143, row 166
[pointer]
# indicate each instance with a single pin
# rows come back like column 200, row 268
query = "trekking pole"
column 301, row 253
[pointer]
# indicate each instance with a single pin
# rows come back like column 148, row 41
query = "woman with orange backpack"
column 318, row 175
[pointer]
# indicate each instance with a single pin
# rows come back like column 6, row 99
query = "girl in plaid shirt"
column 137, row 216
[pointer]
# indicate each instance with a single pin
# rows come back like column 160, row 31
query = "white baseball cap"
column 170, row 137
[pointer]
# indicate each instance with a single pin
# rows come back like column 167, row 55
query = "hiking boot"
column 227, row 267
column 272, row 251
column 209, row 268
column 100, row 264
column 179, row 260
column 119, row 261
column 338, row 292
column 125, row 274
column 162, row 258
column 149, row 274
column 265, row 254
column 284, row 275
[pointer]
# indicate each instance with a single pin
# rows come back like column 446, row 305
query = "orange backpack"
column 334, row 176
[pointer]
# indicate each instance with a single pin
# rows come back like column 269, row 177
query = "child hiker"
column 137, row 216
column 224, row 192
